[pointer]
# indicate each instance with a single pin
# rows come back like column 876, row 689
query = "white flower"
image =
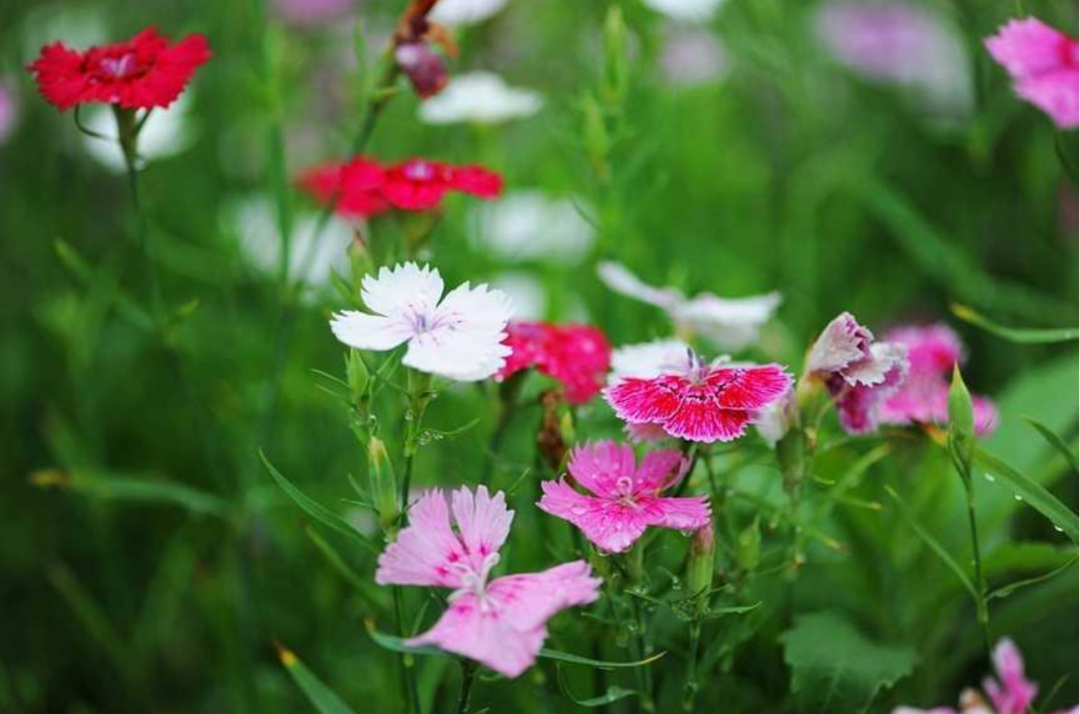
column 464, row 12
column 527, row 225
column 774, row 421
column 165, row 133
column 686, row 10
column 459, row 337
column 692, row 56
column 732, row 323
column 646, row 360
column 480, row 97
column 527, row 294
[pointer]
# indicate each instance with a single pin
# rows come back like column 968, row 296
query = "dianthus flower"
column 858, row 372
column 145, row 72
column 363, row 187
column 698, row 401
column 1042, row 63
column 502, row 622
column 625, row 497
column 459, row 337
column 578, row 356
column 924, row 396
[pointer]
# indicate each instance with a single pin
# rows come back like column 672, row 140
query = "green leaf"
column 315, row 509
column 600, row 664
column 731, row 610
column 613, row 694
column 143, row 490
column 1031, row 493
column 322, row 698
column 1020, row 335
column 932, row 542
column 1007, row 590
column 1057, row 442
column 835, row 668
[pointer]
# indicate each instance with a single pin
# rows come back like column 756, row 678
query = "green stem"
column 408, row 663
column 691, row 687
column 981, row 610
column 645, row 684
column 468, row 674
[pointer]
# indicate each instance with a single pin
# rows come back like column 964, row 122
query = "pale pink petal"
column 646, row 400
column 842, row 342
column 426, row 552
column 483, row 522
column 884, row 357
column 610, row 525
column 370, row 332
column 645, row 432
column 660, row 470
column 604, row 467
column 529, row 600
column 748, row 387
column 686, row 513
column 931, row 349
column 1015, row 693
column 859, row 406
column 1043, row 65
column 986, row 415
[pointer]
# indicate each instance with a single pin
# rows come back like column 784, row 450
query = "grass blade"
column 932, row 542
column 1031, row 492
column 321, row 697
column 1057, row 442
column 613, row 694
column 1007, row 590
column 1020, row 335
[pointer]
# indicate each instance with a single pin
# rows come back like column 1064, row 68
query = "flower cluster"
column 578, row 356
column 362, row 187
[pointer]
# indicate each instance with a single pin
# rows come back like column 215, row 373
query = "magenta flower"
column 1043, row 65
column 626, row 497
column 500, row 623
column 923, row 398
column 859, row 373
column 702, row 402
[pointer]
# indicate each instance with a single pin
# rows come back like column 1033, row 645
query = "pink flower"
column 626, row 496
column 578, row 356
column 704, row 402
column 858, row 372
column 502, row 622
column 923, row 398
column 1043, row 65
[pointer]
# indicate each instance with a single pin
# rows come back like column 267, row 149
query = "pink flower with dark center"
column 625, row 497
column 705, row 402
column 923, row 398
column 1042, row 63
column 499, row 622
column 578, row 356
column 859, row 373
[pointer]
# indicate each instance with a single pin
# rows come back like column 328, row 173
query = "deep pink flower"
column 502, row 622
column 626, row 497
column 144, row 72
column 704, row 403
column 1043, row 65
column 578, row 356
column 364, row 187
column 923, row 397
column 859, row 372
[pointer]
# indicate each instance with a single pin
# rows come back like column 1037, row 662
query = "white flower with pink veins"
column 459, row 337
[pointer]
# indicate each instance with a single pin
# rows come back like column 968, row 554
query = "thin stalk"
column 981, row 610
column 691, row 687
column 408, row 663
column 468, row 674
column 644, row 673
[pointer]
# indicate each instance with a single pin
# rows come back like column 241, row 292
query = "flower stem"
column 981, row 610
column 468, row 674
column 691, row 687
column 408, row 663
column 645, row 684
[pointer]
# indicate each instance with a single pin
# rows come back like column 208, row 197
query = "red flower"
column 578, row 356
column 364, row 188
column 142, row 73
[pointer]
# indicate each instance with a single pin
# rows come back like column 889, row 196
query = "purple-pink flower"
column 502, row 622
column 859, row 372
column 1011, row 693
column 1043, row 65
column 923, row 398
column 625, row 496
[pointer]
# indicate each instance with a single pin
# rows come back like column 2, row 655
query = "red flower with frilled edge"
column 363, row 187
column 578, row 356
column 145, row 72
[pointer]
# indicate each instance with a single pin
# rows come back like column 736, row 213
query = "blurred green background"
column 148, row 563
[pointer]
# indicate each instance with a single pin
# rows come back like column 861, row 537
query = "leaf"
column 1031, row 492
column 614, row 693
column 396, row 644
column 1055, row 440
column 1020, row 335
column 323, row 699
column 315, row 509
column 1007, row 590
column 731, row 610
column 108, row 486
column 932, row 543
column 835, row 668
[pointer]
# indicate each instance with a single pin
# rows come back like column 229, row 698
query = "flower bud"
column 700, row 563
column 616, row 57
column 357, row 375
column 425, row 69
column 382, row 482
column 748, row 547
column 550, row 439
column 961, row 421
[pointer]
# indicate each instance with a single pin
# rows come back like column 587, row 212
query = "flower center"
column 475, row 581
column 419, row 171
column 115, row 67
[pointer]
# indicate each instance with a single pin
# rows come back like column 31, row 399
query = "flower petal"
column 604, row 467
column 683, row 513
column 408, row 288
column 646, row 400
column 483, row 522
column 750, row 388
column 370, row 332
column 611, row 526
column 426, row 552
column 660, row 470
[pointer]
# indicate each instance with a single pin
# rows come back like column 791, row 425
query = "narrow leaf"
column 321, row 697
column 613, row 694
column 1057, row 442
column 1020, row 335
column 1007, row 590
column 932, row 542
column 1032, row 493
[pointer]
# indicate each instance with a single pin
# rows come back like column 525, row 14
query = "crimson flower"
column 364, row 187
column 578, row 356
column 144, row 72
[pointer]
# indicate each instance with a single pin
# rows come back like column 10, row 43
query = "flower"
column 363, row 187
column 924, row 396
column 859, row 373
column 165, row 133
column 626, row 496
column 901, row 44
column 459, row 337
column 454, row 13
column 732, row 323
column 144, row 72
column 531, row 225
column 1042, row 63
column 1011, row 693
column 686, row 10
column 646, row 360
column 502, row 622
column 480, row 97
column 578, row 356
column 704, row 402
